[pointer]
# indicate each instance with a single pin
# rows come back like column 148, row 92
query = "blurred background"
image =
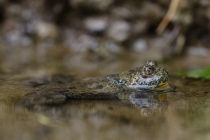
column 93, row 38
column 107, row 35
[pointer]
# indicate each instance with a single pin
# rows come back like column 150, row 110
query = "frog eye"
column 148, row 70
column 121, row 82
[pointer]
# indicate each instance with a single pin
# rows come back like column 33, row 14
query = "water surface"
column 181, row 114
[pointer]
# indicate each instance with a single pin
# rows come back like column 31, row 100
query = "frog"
column 147, row 77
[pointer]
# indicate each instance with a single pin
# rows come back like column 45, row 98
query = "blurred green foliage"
column 196, row 73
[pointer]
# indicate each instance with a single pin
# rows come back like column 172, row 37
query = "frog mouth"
column 162, row 84
column 142, row 86
column 147, row 86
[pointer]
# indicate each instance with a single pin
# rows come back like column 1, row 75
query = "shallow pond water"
column 180, row 114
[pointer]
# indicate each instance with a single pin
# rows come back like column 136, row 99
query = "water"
column 179, row 115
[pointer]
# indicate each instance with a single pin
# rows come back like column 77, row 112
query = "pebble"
column 140, row 45
column 45, row 30
column 15, row 38
column 80, row 42
column 112, row 47
column 96, row 24
column 119, row 30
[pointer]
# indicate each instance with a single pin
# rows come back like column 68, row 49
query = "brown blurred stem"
column 168, row 17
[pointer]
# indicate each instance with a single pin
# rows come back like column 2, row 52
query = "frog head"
column 148, row 76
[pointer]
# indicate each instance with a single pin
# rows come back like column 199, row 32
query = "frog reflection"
column 148, row 103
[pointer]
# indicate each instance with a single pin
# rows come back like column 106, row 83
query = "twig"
column 169, row 16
